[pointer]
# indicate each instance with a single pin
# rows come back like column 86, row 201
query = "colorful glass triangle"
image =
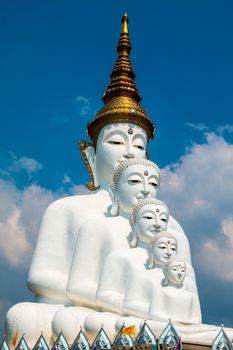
column 41, row 344
column 222, row 342
column 4, row 345
column 81, row 342
column 146, row 338
column 61, row 343
column 22, row 345
column 169, row 339
column 123, row 340
column 101, row 341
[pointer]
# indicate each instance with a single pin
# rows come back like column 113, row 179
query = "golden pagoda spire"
column 121, row 98
column 122, row 77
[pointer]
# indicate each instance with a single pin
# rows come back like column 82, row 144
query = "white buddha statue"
column 133, row 180
column 174, row 298
column 149, row 216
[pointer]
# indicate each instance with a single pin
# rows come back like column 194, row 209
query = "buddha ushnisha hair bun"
column 124, row 164
column 141, row 204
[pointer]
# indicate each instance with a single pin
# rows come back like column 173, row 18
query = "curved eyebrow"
column 139, row 136
column 163, row 212
column 149, row 211
column 114, row 133
column 153, row 176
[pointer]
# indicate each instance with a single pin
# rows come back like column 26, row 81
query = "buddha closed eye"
column 134, row 181
column 139, row 147
column 153, row 183
column 148, row 217
column 111, row 142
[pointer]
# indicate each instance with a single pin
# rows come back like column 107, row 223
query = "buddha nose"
column 128, row 155
column 145, row 192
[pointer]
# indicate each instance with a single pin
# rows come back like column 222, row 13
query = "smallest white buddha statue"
column 173, row 299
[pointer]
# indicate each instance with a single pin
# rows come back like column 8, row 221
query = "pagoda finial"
column 125, row 22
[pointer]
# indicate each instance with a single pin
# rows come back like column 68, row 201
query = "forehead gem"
column 146, row 173
column 169, row 242
column 157, row 210
column 130, row 131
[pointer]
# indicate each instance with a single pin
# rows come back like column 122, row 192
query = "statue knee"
column 69, row 321
column 20, row 319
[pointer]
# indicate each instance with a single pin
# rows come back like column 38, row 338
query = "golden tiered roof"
column 121, row 98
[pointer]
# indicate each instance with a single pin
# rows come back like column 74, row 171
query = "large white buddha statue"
column 133, row 180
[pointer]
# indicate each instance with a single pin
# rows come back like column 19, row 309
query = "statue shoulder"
column 77, row 203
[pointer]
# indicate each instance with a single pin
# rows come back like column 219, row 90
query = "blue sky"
column 56, row 57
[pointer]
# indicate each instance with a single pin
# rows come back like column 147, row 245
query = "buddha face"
column 137, row 182
column 115, row 142
column 164, row 249
column 151, row 219
column 175, row 272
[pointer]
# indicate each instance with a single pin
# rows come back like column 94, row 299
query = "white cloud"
column 225, row 128
column 83, row 105
column 199, row 191
column 13, row 241
column 199, row 127
column 29, row 164
column 21, row 211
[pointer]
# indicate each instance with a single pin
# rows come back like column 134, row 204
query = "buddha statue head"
column 162, row 249
column 174, row 273
column 121, row 128
column 133, row 180
column 149, row 217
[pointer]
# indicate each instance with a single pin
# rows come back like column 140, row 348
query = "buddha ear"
column 150, row 257
column 88, row 154
column 134, row 241
column 114, row 210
